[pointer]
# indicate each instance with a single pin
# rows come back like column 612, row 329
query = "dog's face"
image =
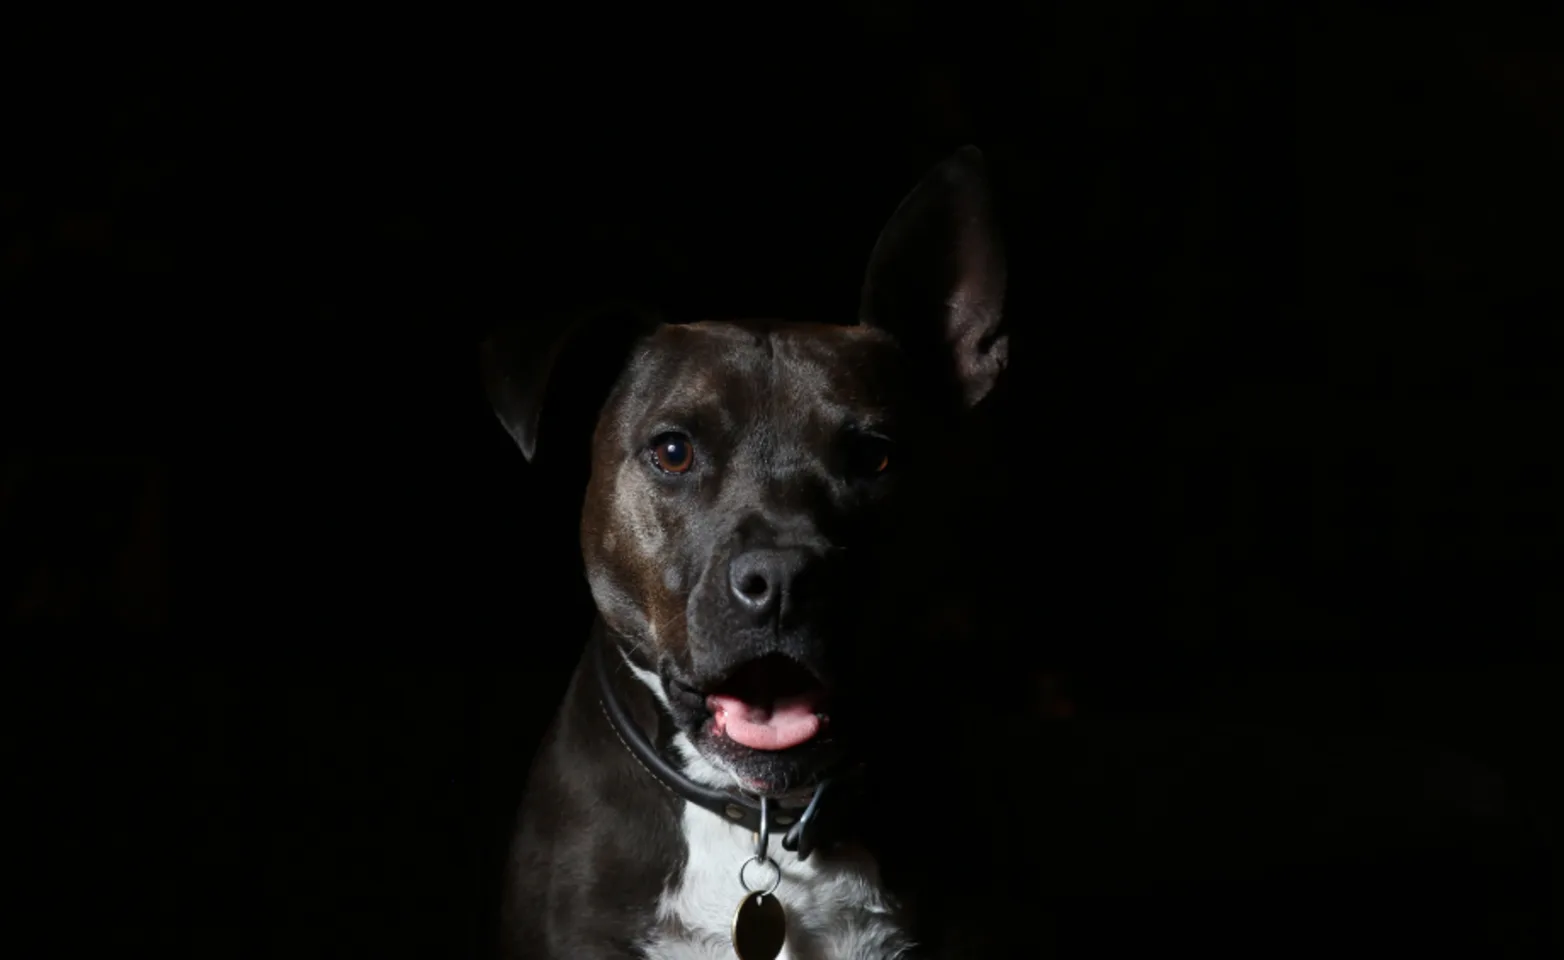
column 741, row 477
column 747, row 479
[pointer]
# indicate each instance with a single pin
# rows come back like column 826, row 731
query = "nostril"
column 754, row 586
column 761, row 581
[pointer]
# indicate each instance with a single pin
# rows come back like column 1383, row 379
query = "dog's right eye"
column 673, row 452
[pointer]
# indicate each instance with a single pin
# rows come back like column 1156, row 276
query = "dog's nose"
column 762, row 581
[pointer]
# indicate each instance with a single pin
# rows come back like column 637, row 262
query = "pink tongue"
column 788, row 722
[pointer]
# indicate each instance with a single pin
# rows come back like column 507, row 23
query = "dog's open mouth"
column 772, row 703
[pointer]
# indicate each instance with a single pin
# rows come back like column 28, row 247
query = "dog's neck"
column 796, row 817
column 655, row 714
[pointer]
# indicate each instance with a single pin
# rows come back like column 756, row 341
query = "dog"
column 771, row 535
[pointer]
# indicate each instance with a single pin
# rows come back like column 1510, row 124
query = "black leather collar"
column 805, row 831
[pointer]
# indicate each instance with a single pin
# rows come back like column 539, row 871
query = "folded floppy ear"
column 523, row 364
column 936, row 278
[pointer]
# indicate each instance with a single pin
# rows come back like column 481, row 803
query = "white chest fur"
column 836, row 909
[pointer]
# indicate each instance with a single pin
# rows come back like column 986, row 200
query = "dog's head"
column 758, row 488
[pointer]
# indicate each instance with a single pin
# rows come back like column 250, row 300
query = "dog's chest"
column 836, row 909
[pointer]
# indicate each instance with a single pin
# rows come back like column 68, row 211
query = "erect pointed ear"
column 524, row 364
column 936, row 278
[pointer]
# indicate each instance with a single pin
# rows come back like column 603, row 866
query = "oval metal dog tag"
column 759, row 927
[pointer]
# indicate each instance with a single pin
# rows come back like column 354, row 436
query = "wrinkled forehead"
column 725, row 377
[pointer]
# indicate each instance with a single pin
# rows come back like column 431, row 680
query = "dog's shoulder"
column 596, row 843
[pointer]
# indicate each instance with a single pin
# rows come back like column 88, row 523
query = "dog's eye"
column 870, row 456
column 673, row 452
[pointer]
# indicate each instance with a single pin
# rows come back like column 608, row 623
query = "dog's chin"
column 776, row 774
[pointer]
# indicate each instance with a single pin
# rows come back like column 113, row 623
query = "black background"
column 1284, row 412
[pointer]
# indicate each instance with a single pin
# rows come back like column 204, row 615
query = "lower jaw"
column 796, row 770
column 776, row 791
column 791, row 790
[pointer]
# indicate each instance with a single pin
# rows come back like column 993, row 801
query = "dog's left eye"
column 870, row 456
column 673, row 452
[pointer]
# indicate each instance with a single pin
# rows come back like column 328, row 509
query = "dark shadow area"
column 287, row 611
